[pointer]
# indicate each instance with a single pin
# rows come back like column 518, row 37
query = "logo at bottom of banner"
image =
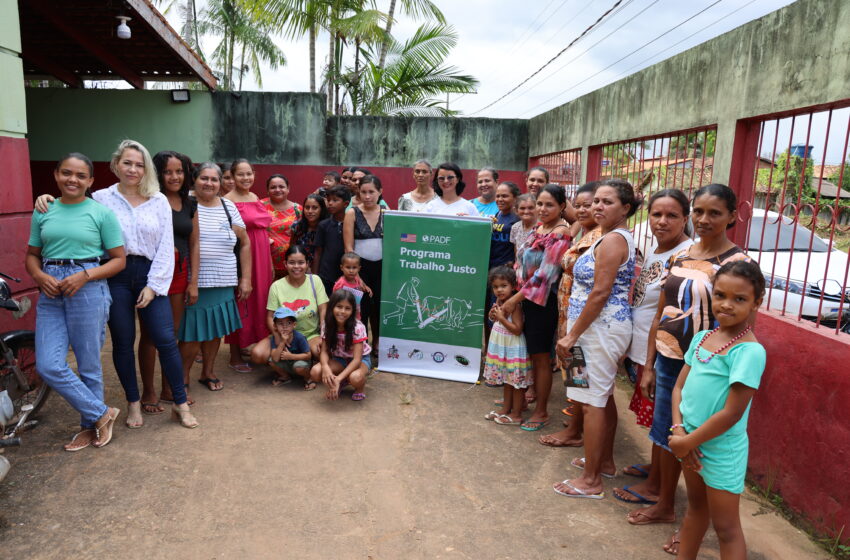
column 427, row 359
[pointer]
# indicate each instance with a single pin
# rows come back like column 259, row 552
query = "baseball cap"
column 284, row 312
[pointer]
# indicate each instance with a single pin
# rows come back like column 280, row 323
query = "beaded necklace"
column 722, row 348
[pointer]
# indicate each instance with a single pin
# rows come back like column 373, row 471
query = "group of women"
column 196, row 269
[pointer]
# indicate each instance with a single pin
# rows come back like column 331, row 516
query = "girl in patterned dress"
column 507, row 362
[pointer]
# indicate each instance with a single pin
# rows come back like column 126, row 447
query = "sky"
column 503, row 42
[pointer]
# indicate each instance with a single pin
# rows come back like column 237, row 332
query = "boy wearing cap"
column 290, row 349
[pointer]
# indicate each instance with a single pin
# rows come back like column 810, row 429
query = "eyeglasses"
column 447, row 179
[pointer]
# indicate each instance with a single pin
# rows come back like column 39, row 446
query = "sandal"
column 358, row 396
column 209, row 382
column 81, row 440
column 672, row 545
column 578, row 492
column 640, row 499
column 278, row 381
column 152, row 409
column 241, row 368
column 636, row 471
column 640, row 518
column 578, row 463
column 534, row 425
column 103, row 427
column 310, row 385
column 505, row 420
column 549, row 440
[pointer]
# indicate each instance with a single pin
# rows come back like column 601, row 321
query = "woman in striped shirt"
column 215, row 314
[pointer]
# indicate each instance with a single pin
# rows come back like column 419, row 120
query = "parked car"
column 806, row 273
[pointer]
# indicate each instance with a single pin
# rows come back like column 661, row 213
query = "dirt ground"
column 280, row 473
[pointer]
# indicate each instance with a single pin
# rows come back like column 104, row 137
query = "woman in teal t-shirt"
column 63, row 258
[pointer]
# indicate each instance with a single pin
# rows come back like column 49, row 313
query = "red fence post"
column 742, row 174
column 593, row 163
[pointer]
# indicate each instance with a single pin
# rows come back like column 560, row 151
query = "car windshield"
column 802, row 238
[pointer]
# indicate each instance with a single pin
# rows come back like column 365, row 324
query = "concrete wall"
column 795, row 57
column 15, row 184
column 266, row 128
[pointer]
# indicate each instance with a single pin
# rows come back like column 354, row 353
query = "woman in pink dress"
column 283, row 214
column 253, row 310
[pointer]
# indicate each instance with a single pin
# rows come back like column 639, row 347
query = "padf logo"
column 437, row 239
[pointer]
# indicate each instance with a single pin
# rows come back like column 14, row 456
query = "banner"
column 432, row 295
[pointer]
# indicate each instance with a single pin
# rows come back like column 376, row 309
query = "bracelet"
column 674, row 426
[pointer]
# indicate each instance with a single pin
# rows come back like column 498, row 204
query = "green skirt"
column 213, row 316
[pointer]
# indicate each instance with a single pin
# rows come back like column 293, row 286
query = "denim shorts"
column 666, row 373
column 366, row 359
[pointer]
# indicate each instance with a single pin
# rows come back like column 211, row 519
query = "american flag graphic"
column 408, row 237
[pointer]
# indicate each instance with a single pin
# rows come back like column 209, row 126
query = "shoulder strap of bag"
column 226, row 211
column 315, row 297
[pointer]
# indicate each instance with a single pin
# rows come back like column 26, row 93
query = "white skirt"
column 604, row 345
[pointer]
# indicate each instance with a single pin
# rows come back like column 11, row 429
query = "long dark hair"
column 330, row 321
column 160, row 161
column 301, row 227
column 722, row 192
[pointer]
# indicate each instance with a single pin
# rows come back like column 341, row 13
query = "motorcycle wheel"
column 23, row 347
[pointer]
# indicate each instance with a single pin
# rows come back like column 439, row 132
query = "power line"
column 569, row 21
column 591, row 47
column 551, row 60
column 625, row 57
column 523, row 39
column 733, row 12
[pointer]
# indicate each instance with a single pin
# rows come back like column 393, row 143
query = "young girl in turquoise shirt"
column 711, row 403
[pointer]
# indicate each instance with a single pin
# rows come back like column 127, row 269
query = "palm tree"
column 239, row 28
column 414, row 73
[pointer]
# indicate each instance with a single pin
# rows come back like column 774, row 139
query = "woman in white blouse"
column 448, row 184
column 145, row 218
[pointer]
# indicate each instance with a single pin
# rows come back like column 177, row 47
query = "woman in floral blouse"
column 284, row 213
column 538, row 271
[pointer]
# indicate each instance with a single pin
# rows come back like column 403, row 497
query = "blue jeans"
column 157, row 321
column 666, row 374
column 79, row 320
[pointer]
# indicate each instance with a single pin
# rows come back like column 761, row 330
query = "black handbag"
column 238, row 246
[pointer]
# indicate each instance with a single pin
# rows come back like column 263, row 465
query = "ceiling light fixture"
column 123, row 30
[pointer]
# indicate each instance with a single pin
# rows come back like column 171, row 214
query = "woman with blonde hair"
column 145, row 218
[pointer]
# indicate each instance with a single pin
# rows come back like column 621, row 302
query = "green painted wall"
column 94, row 121
column 393, row 141
column 271, row 128
column 795, row 57
column 13, row 106
column 282, row 128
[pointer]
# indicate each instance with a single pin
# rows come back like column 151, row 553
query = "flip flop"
column 152, row 409
column 673, row 542
column 358, row 396
column 640, row 499
column 505, row 420
column 641, row 472
column 567, row 411
column 209, row 382
column 241, row 368
column 545, row 440
column 310, row 385
column 533, row 425
column 579, row 492
column 278, row 381
column 578, row 463
column 646, row 520
column 492, row 415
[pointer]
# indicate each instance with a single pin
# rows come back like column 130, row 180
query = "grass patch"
column 772, row 501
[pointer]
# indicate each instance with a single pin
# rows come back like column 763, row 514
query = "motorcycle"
column 22, row 391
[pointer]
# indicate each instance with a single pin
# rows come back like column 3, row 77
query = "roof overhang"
column 76, row 41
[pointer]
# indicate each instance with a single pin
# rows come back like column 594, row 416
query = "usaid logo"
column 437, row 239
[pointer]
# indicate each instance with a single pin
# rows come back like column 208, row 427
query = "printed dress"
column 607, row 339
column 507, row 359
column 280, row 230
column 565, row 288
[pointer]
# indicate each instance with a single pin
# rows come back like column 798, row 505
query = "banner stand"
column 433, row 293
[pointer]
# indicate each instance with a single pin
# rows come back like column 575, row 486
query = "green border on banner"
column 433, row 294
